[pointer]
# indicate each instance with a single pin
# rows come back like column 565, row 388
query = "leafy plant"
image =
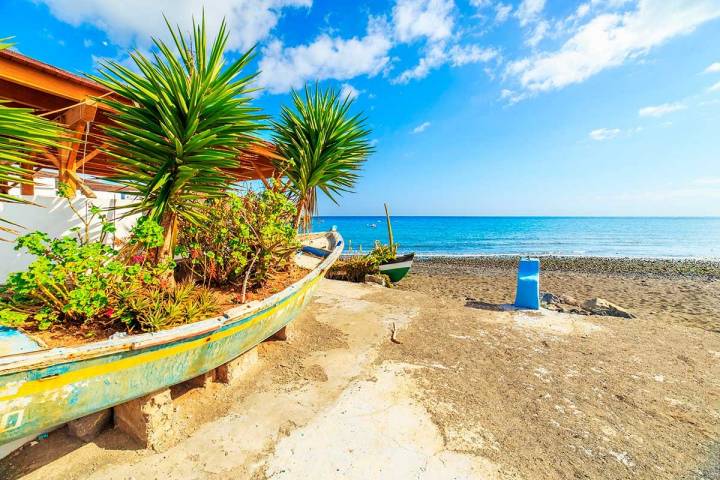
column 178, row 137
column 353, row 268
column 22, row 136
column 324, row 147
column 155, row 308
column 383, row 253
column 71, row 281
column 251, row 238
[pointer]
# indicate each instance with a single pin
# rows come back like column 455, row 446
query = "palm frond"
column 186, row 118
column 323, row 145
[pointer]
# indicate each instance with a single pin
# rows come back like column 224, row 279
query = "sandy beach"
column 465, row 392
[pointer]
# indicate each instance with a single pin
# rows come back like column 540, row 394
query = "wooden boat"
column 43, row 389
column 398, row 268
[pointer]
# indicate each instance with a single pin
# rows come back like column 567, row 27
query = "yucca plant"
column 323, row 145
column 185, row 117
column 22, row 135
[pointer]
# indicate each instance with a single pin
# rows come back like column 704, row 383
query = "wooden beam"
column 77, row 119
column 90, row 156
column 18, row 69
column 28, row 186
column 78, row 183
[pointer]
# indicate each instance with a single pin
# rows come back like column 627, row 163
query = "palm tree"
column 178, row 133
column 22, row 135
column 324, row 148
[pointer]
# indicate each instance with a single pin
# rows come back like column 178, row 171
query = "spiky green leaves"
column 325, row 146
column 187, row 118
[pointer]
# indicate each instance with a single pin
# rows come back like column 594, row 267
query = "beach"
column 461, row 389
column 674, row 291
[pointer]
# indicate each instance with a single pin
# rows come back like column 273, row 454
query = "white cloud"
column 87, row 43
column 437, row 55
column 414, row 19
column 715, row 88
column 326, row 57
column 713, row 68
column 604, row 133
column 537, row 34
column 610, row 39
column 420, row 128
column 348, row 90
column 529, row 10
column 462, row 55
column 132, row 22
column 502, row 12
column 434, row 57
column 660, row 110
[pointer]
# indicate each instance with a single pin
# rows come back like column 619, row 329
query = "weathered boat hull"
column 45, row 389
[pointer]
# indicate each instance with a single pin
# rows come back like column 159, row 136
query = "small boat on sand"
column 41, row 388
column 397, row 268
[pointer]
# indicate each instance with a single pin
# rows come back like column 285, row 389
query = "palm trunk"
column 165, row 252
column 298, row 215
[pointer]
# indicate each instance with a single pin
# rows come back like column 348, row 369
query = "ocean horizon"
column 601, row 236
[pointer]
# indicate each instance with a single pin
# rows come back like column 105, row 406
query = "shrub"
column 250, row 238
column 72, row 280
column 153, row 308
column 355, row 267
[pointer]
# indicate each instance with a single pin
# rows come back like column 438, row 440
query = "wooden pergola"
column 70, row 100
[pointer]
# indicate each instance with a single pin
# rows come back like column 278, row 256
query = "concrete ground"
column 463, row 393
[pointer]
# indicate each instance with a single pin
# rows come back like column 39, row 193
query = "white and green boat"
column 397, row 268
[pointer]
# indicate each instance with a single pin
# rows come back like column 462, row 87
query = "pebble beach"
column 676, row 291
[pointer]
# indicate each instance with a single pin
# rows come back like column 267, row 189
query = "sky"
column 477, row 107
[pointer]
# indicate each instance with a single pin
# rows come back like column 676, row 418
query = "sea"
column 639, row 237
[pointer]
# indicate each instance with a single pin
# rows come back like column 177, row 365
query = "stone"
column 236, row 369
column 90, row 426
column 285, row 334
column 149, row 420
column 201, row 381
column 568, row 300
column 379, row 279
column 600, row 306
column 549, row 299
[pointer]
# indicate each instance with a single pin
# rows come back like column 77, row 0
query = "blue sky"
column 478, row 107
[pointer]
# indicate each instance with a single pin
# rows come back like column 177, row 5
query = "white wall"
column 55, row 218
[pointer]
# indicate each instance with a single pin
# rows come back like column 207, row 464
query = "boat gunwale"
column 23, row 361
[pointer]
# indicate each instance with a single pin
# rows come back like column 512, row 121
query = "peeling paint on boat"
column 44, row 389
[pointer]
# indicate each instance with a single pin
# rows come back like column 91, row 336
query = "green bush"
column 354, row 268
column 246, row 236
column 74, row 280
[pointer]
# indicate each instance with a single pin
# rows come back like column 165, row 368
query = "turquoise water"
column 671, row 237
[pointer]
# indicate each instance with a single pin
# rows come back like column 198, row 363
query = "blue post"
column 528, row 284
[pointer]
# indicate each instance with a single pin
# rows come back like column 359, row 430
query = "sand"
column 467, row 393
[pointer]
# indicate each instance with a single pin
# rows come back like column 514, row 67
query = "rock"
column 149, row 420
column 236, row 369
column 600, row 306
column 568, row 300
column 549, row 299
column 90, row 426
column 201, row 381
column 379, row 279
column 285, row 334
